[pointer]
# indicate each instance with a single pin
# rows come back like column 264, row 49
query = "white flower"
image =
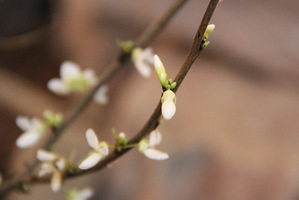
column 100, row 150
column 72, row 79
column 147, row 147
column 142, row 59
column 33, row 129
column 101, row 95
column 168, row 104
column 82, row 194
column 52, row 164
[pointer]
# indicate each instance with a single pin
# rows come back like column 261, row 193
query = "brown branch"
column 144, row 38
column 153, row 122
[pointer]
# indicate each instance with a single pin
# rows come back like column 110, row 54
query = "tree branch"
column 153, row 122
column 144, row 38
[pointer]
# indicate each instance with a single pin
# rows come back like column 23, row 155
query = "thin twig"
column 147, row 35
column 153, row 121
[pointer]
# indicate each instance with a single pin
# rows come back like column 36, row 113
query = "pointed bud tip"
column 157, row 61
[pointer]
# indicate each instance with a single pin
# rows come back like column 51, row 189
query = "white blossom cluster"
column 74, row 80
column 34, row 128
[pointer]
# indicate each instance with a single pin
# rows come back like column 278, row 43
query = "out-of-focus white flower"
column 52, row 164
column 33, row 129
column 82, row 194
column 168, row 101
column 142, row 59
column 147, row 147
column 100, row 150
column 101, row 95
column 72, row 79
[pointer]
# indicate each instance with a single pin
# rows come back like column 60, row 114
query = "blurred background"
column 235, row 134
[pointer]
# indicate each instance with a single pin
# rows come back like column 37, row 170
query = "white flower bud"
column 160, row 71
column 168, row 104
column 210, row 29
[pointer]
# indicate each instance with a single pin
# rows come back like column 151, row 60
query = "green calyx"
column 126, row 46
column 143, row 145
column 168, row 95
column 77, row 84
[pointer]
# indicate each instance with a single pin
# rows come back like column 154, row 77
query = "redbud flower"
column 147, row 147
column 72, row 79
column 54, row 164
column 33, row 129
column 100, row 150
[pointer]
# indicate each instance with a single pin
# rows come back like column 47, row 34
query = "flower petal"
column 143, row 68
column 92, row 139
column 46, row 168
column 155, row 154
column 58, row 86
column 148, row 55
column 85, row 193
column 101, row 95
column 44, row 155
column 23, row 123
column 90, row 161
column 60, row 164
column 27, row 139
column 56, row 181
column 157, row 63
column 168, row 109
column 69, row 69
column 90, row 77
column 155, row 138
